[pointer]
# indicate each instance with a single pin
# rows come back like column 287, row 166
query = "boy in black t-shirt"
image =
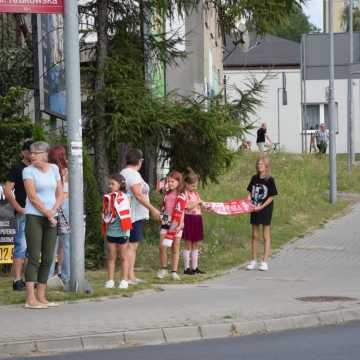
column 262, row 190
column 15, row 182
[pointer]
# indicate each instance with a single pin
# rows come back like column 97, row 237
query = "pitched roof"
column 270, row 51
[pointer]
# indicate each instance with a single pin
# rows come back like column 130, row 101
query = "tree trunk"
column 101, row 161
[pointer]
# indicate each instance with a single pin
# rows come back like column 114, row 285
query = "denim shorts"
column 137, row 231
column 121, row 240
column 20, row 241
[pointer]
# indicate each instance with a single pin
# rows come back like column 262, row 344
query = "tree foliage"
column 356, row 18
column 15, row 127
column 120, row 109
column 294, row 25
column 94, row 247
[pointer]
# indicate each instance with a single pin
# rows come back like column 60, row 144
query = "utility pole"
column 36, row 76
column 350, row 113
column 74, row 124
column 332, row 140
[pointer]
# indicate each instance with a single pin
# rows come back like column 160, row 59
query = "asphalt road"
column 326, row 343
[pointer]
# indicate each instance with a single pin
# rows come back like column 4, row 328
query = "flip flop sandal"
column 52, row 304
column 38, row 306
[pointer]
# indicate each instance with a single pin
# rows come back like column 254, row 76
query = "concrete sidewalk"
column 325, row 263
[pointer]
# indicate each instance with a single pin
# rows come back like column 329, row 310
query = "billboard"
column 32, row 6
column 52, row 67
column 7, row 229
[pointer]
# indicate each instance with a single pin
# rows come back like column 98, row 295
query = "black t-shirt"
column 261, row 189
column 260, row 135
column 15, row 176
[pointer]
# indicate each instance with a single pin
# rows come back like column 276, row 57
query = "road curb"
column 168, row 335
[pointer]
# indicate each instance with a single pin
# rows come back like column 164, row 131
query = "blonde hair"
column 266, row 162
column 191, row 177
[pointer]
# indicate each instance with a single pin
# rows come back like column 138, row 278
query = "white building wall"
column 290, row 115
column 316, row 93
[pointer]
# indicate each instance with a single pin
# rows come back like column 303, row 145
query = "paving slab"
column 322, row 265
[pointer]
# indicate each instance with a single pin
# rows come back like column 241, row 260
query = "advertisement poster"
column 7, row 229
column 53, row 71
column 32, row 6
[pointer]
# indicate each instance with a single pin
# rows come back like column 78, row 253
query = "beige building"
column 202, row 70
column 339, row 7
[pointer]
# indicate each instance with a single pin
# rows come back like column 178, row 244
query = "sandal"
column 37, row 306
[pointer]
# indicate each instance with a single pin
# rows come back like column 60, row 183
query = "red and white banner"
column 232, row 207
column 32, row 6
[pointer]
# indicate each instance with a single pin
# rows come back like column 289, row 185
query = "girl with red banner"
column 262, row 190
column 116, row 225
column 172, row 222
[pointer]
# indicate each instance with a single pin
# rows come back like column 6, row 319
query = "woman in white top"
column 138, row 191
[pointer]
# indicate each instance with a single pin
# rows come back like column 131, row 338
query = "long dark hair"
column 191, row 177
column 120, row 180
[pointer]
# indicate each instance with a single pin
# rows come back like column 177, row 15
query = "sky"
column 314, row 9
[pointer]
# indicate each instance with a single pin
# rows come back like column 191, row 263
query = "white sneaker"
column 264, row 266
column 175, row 276
column 252, row 265
column 136, row 282
column 123, row 284
column 109, row 284
column 162, row 273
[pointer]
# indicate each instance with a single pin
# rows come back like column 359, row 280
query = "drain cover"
column 325, row 298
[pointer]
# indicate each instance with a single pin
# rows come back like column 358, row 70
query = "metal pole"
column 36, row 76
column 350, row 137
column 332, row 144
column 302, row 92
column 278, row 114
column 305, row 100
column 74, row 128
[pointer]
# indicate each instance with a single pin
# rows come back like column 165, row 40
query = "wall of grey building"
column 186, row 76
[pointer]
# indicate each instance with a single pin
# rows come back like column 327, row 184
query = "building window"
column 316, row 114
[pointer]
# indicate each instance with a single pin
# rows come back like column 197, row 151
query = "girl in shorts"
column 116, row 226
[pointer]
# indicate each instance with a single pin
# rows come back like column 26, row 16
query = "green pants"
column 40, row 240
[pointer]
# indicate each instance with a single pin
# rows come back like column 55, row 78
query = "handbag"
column 63, row 223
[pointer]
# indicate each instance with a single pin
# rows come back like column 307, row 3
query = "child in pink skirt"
column 193, row 232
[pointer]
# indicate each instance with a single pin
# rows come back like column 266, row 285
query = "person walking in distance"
column 15, row 183
column 116, row 227
column 140, row 204
column 170, row 205
column 322, row 138
column 262, row 190
column 261, row 138
column 193, row 232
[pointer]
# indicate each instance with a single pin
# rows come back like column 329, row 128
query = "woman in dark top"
column 262, row 190
column 261, row 137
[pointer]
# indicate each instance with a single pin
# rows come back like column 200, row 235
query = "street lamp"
column 284, row 102
column 332, row 140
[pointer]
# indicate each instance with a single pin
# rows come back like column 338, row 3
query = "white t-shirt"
column 133, row 177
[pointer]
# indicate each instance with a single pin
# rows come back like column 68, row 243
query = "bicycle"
column 272, row 148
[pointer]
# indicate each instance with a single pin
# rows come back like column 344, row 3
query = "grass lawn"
column 301, row 206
